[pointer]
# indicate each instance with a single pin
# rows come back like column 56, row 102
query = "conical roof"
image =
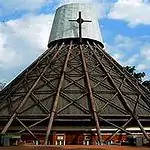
column 67, row 79
column 73, row 86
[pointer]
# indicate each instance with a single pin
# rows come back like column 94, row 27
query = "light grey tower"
column 64, row 27
column 75, row 92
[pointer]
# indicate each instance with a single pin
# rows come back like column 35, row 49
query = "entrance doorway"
column 60, row 139
column 87, row 139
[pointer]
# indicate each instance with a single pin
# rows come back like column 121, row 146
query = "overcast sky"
column 25, row 26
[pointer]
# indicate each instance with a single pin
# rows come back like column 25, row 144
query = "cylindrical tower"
column 63, row 28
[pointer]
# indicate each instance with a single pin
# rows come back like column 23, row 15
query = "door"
column 60, row 139
column 87, row 139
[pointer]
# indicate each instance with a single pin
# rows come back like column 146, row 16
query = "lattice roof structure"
column 74, row 86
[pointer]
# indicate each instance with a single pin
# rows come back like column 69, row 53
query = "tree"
column 139, row 76
column 146, row 84
column 130, row 69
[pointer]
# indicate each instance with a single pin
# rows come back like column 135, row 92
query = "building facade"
column 75, row 92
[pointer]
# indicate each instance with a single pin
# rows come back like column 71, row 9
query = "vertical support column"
column 57, row 97
column 91, row 97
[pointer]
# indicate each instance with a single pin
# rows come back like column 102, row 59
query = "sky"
column 25, row 27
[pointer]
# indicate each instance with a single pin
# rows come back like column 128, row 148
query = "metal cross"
column 80, row 21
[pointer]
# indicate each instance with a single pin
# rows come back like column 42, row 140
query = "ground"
column 75, row 147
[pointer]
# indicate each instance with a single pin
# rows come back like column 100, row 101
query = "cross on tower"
column 80, row 21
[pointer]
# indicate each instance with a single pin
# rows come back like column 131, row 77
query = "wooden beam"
column 72, row 102
column 74, row 82
column 27, row 129
column 41, row 120
column 110, row 103
column 57, row 97
column 92, row 101
column 82, row 108
column 113, row 135
column 137, row 101
column 118, row 127
column 40, row 104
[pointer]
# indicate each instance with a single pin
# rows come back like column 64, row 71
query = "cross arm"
column 72, row 20
column 87, row 20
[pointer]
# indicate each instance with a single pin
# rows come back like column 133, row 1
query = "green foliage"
column 139, row 76
column 130, row 69
column 146, row 84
